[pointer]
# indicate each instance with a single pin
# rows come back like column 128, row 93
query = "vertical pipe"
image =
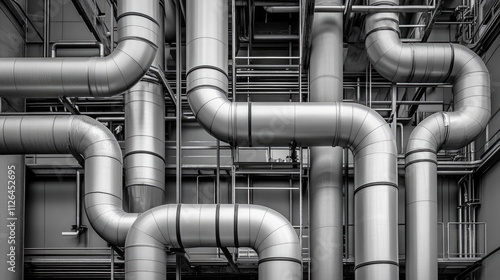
column 12, row 179
column 326, row 71
column 178, row 122
column 144, row 157
column 46, row 28
column 78, row 200
column 460, row 238
column 112, row 257
column 233, row 47
column 394, row 112
column 217, row 175
column 346, row 203
column 112, row 26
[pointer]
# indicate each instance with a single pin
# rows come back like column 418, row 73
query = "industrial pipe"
column 104, row 76
column 435, row 63
column 308, row 124
column 144, row 155
column 207, row 225
column 326, row 76
column 103, row 163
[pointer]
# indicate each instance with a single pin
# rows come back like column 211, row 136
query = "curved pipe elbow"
column 190, row 225
column 89, row 138
column 425, row 62
column 104, row 76
column 212, row 110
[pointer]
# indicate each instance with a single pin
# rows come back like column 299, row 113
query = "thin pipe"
column 112, row 258
column 178, row 112
column 233, row 48
column 217, row 174
column 355, row 9
column 78, row 224
column 46, row 28
column 112, row 26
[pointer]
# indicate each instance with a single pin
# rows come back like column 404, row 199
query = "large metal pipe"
column 435, row 63
column 326, row 75
column 144, row 158
column 103, row 163
column 103, row 76
column 196, row 225
column 309, row 124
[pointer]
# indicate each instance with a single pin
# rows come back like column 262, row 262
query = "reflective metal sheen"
column 101, row 76
column 103, row 163
column 144, row 158
column 326, row 75
column 196, row 225
column 309, row 124
column 415, row 63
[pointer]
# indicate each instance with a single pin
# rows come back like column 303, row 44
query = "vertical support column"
column 12, row 184
column 326, row 71
column 178, row 122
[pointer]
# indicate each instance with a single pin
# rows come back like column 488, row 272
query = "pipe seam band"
column 128, row 14
column 178, row 226
column 373, row 184
column 206, row 86
column 420, row 160
column 207, row 67
column 452, row 62
column 384, row 3
column 382, row 29
column 413, row 62
column 249, row 124
column 419, row 151
column 280, row 259
column 376, row 262
column 145, row 185
column 217, row 225
column 135, row 38
column 144, row 152
column 235, row 229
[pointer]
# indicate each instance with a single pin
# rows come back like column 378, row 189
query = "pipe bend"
column 193, row 225
column 89, row 138
column 103, row 76
column 434, row 62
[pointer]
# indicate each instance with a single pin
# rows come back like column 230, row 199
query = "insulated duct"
column 326, row 75
column 144, row 158
column 103, row 76
column 421, row 63
column 196, row 225
column 103, row 163
column 309, row 124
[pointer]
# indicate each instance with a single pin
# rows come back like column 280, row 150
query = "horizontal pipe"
column 355, row 9
column 98, row 77
column 193, row 225
column 256, row 124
